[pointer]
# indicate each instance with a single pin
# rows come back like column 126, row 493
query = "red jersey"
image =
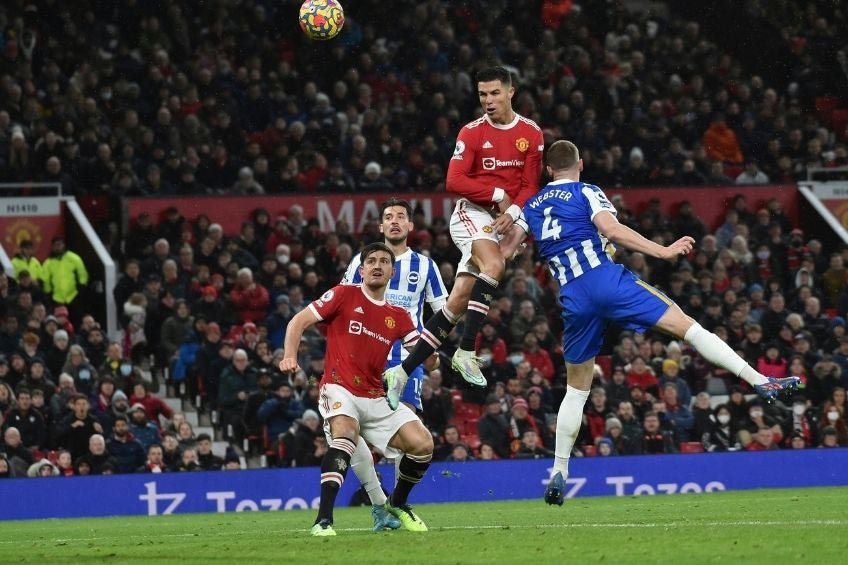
column 360, row 333
column 489, row 156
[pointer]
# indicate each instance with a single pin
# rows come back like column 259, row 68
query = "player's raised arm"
column 618, row 233
column 460, row 182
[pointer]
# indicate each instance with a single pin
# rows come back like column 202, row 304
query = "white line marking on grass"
column 599, row 525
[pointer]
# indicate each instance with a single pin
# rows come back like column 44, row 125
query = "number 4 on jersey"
column 550, row 226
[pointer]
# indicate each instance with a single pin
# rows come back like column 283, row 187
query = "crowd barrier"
column 288, row 489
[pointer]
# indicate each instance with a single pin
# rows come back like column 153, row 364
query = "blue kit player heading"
column 574, row 226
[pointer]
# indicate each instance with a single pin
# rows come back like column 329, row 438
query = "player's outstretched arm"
column 301, row 321
column 620, row 234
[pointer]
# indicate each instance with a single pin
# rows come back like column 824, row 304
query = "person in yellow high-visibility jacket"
column 63, row 275
column 24, row 260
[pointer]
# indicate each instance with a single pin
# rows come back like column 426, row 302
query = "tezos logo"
column 354, row 327
column 488, row 163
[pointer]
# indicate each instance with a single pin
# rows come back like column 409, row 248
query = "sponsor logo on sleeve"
column 458, row 150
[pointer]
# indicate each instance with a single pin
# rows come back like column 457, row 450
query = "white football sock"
column 569, row 419
column 363, row 466
column 720, row 354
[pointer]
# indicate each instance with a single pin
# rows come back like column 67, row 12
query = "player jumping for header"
column 573, row 224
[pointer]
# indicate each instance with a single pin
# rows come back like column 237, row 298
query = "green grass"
column 764, row 526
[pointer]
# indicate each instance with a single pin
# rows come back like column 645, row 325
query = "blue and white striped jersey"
column 560, row 219
column 416, row 280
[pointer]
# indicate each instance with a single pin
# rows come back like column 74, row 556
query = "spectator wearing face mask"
column 723, row 435
column 832, row 418
column 800, row 422
column 756, row 420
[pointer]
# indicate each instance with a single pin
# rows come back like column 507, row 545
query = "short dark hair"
column 562, row 155
column 396, row 202
column 204, row 437
column 372, row 248
column 494, row 73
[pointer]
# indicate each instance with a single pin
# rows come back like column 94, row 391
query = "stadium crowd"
column 114, row 99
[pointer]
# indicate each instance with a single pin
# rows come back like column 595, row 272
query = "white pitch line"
column 693, row 524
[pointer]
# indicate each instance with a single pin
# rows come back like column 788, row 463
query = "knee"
column 494, row 267
column 423, row 444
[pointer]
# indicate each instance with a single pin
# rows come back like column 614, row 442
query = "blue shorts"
column 412, row 393
column 607, row 293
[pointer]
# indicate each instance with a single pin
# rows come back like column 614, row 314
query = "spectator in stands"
column 538, row 357
column 28, row 421
column 654, row 439
column 155, row 462
column 176, row 330
column 530, row 447
column 493, row 428
column 80, row 370
column 677, row 413
column 763, row 440
column 18, row 457
column 238, row 380
column 279, row 411
column 520, row 421
column 74, row 430
column 596, row 414
column 249, row 299
column 24, row 260
column 720, row 142
column 64, row 276
column 141, row 428
column 139, row 242
column 445, row 447
column 207, row 460
column 437, row 409
column 752, row 174
column 124, row 448
column 301, row 450
column 154, row 407
column 188, row 460
column 758, row 419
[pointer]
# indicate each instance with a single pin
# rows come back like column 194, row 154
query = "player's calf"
column 334, row 469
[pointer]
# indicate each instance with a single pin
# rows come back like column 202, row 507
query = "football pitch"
column 762, row 526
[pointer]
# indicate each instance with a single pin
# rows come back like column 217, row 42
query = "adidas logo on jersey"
column 359, row 310
column 488, row 145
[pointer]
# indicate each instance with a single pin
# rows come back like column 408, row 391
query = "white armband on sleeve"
column 498, row 194
column 514, row 211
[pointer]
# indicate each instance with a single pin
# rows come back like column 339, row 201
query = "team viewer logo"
column 522, row 144
column 354, row 327
column 390, row 322
column 489, row 163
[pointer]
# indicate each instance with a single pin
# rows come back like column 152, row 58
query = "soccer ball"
column 321, row 19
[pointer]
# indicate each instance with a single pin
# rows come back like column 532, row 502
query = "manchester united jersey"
column 489, row 156
column 360, row 333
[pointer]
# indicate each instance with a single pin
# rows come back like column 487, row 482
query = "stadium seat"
column 691, row 447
